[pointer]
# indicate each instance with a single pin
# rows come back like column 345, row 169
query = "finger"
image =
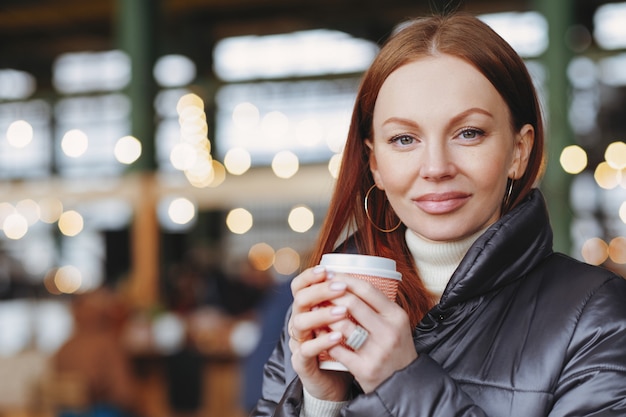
column 317, row 293
column 360, row 311
column 298, row 337
column 305, row 355
column 307, row 278
column 303, row 325
column 354, row 334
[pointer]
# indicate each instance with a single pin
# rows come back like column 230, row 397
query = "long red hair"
column 459, row 35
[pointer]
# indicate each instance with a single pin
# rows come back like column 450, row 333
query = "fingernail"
column 318, row 270
column 338, row 286
column 330, row 275
column 335, row 336
column 338, row 311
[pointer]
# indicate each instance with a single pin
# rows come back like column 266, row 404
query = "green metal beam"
column 136, row 21
column 556, row 183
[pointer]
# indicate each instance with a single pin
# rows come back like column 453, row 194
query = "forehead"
column 441, row 83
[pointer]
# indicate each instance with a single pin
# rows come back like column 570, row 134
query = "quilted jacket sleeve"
column 282, row 391
column 594, row 378
column 421, row 389
column 439, row 396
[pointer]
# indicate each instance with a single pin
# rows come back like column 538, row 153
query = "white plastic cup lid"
column 361, row 264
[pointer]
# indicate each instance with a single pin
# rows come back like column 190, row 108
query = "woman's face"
column 443, row 147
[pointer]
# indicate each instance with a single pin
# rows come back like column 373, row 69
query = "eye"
column 471, row 133
column 403, row 140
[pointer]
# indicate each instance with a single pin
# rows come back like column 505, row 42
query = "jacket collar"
column 507, row 250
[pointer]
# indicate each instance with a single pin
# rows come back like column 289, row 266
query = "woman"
column 445, row 148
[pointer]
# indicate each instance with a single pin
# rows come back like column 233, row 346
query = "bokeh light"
column 189, row 100
column 16, row 85
column 202, row 172
column 127, row 149
column 68, row 279
column 301, row 219
column 246, row 116
column 6, row 209
column 573, row 159
column 595, row 251
column 615, row 155
column 274, row 126
column 201, row 179
column 168, row 330
column 30, row 210
column 87, row 72
column 309, row 52
column 71, row 223
column 287, row 261
column 617, row 250
column 183, row 156
column 51, row 209
column 192, row 154
column 219, row 174
column 19, row 134
column 174, row 70
column 237, row 161
column 336, row 139
column 210, row 175
column 261, row 256
column 244, row 337
column 606, row 176
column 526, row 32
column 49, row 282
column 15, row 226
column 74, row 143
column 608, row 23
column 334, row 165
column 181, row 210
column 239, row 221
column 193, row 124
column 285, row 164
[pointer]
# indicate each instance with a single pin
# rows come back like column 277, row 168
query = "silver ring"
column 356, row 339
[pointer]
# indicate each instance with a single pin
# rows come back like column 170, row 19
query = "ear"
column 524, row 141
column 373, row 164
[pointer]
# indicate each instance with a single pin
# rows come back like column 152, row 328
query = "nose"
column 436, row 161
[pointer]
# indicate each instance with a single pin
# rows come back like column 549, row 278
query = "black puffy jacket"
column 519, row 331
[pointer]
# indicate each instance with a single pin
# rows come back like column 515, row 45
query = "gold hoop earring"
column 507, row 196
column 367, row 213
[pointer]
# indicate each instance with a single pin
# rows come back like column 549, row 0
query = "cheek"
column 395, row 173
column 490, row 177
column 489, row 165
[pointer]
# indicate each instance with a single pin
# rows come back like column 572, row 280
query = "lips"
column 441, row 203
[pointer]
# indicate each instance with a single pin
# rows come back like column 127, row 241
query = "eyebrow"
column 455, row 119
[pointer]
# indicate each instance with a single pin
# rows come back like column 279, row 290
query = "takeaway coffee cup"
column 378, row 271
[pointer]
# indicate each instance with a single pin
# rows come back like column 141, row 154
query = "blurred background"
column 165, row 166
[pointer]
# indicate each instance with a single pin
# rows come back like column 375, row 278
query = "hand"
column 312, row 314
column 389, row 346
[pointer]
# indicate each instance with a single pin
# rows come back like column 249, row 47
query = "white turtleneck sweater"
column 436, row 262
